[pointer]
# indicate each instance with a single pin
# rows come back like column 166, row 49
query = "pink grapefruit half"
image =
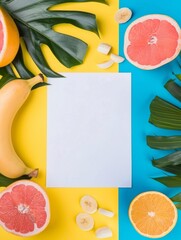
column 9, row 38
column 152, row 41
column 24, row 208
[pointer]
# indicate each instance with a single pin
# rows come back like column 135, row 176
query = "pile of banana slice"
column 105, row 49
column 121, row 16
column 86, row 222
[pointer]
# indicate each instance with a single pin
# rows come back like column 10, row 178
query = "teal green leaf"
column 41, row 84
column 176, row 198
column 24, row 73
column 5, row 181
column 174, row 89
column 178, row 76
column 178, row 206
column 33, row 47
column 170, row 163
column 35, row 21
column 164, row 142
column 164, row 114
column 170, row 181
column 20, row 67
column 7, row 75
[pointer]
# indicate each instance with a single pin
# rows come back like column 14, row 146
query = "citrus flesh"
column 9, row 38
column 152, row 214
column 24, row 208
column 152, row 41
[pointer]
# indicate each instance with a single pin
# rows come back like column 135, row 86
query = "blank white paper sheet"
column 89, row 130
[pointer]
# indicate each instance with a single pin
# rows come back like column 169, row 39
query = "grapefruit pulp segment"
column 152, row 41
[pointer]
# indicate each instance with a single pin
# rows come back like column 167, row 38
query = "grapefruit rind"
column 11, row 41
column 168, row 200
column 127, row 42
column 39, row 189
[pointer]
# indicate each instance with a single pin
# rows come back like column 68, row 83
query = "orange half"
column 152, row 214
column 9, row 38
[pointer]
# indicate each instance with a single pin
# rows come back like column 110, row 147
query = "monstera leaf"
column 35, row 22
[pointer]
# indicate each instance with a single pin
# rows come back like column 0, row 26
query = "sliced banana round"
column 88, row 204
column 85, row 221
column 123, row 15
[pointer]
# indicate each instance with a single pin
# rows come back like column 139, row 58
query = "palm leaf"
column 7, row 75
column 35, row 22
column 20, row 67
column 176, row 198
column 24, row 73
column 5, row 181
column 174, row 89
column 170, row 163
column 178, row 75
column 164, row 142
column 178, row 206
column 164, row 114
column 170, row 181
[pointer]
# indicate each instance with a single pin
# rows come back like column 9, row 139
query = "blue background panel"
column 146, row 84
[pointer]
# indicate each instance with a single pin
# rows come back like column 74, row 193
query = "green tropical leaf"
column 170, row 181
column 178, row 76
column 35, row 22
column 176, row 198
column 164, row 114
column 8, row 74
column 5, row 181
column 164, row 142
column 178, row 206
column 174, row 89
column 170, row 163
column 20, row 67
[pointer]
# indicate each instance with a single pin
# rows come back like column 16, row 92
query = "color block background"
column 145, row 86
column 29, row 132
column 29, row 129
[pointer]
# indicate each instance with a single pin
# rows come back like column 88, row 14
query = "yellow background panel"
column 29, row 133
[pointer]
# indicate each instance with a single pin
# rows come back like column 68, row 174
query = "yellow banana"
column 12, row 97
